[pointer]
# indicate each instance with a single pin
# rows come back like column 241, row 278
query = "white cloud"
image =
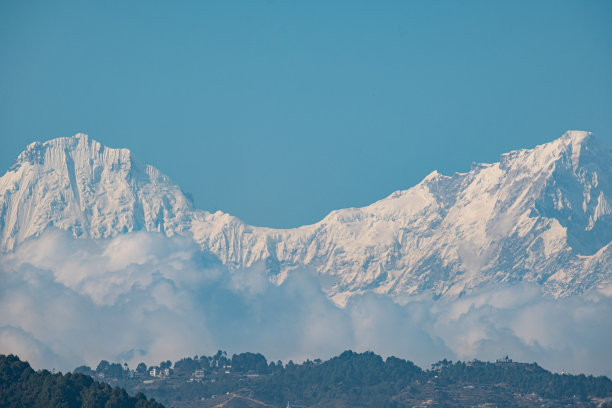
column 146, row 297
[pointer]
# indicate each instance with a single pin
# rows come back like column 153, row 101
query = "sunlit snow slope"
column 542, row 215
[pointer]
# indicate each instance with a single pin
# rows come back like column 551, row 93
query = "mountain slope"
column 542, row 215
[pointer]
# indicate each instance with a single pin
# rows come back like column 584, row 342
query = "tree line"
column 366, row 379
column 22, row 387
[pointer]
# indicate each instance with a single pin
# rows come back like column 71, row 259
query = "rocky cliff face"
column 543, row 215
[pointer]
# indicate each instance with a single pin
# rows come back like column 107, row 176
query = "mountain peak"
column 575, row 136
column 51, row 151
column 575, row 140
column 542, row 215
column 434, row 175
column 77, row 184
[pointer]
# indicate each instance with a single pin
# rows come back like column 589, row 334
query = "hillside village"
column 356, row 379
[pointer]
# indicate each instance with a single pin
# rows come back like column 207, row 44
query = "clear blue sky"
column 280, row 111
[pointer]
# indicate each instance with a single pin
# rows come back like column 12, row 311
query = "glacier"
column 540, row 216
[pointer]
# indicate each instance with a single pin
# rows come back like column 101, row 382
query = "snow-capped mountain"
column 76, row 184
column 542, row 215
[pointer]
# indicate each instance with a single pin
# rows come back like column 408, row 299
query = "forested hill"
column 356, row 380
column 348, row 380
column 22, row 387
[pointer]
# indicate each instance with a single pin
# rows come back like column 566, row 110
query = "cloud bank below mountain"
column 146, row 297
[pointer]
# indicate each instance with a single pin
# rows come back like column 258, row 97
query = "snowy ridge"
column 542, row 215
column 77, row 184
